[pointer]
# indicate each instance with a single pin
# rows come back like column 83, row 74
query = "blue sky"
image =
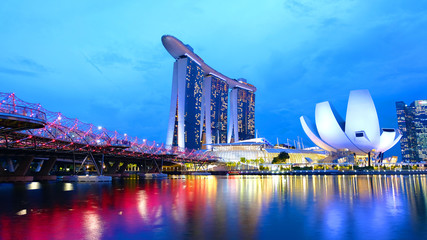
column 103, row 61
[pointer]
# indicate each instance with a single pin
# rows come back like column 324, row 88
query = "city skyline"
column 113, row 71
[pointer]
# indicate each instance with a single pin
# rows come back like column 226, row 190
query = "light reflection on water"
column 219, row 207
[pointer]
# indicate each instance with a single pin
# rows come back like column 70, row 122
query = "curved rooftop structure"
column 178, row 49
column 360, row 132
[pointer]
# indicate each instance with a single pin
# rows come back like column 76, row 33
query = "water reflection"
column 33, row 186
column 68, row 187
column 209, row 207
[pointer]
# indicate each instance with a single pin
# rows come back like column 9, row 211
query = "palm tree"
column 243, row 160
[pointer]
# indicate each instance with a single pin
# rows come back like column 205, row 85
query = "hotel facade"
column 206, row 106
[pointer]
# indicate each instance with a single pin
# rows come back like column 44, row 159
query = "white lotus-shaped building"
column 360, row 133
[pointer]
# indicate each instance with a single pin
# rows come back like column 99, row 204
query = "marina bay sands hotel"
column 206, row 106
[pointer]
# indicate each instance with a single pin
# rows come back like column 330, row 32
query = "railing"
column 23, row 111
column 61, row 132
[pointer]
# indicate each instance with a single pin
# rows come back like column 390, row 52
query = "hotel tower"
column 206, row 106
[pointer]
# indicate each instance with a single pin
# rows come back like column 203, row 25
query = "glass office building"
column 412, row 121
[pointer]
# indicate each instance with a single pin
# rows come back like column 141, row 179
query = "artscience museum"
column 360, row 134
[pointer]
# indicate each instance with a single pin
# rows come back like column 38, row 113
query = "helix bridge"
column 29, row 131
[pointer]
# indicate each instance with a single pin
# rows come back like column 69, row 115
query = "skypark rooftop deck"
column 178, row 49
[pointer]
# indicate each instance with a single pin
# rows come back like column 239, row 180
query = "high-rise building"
column 186, row 104
column 215, row 109
column 201, row 110
column 412, row 121
column 246, row 114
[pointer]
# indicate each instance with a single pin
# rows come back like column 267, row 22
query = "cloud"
column 92, row 63
column 11, row 71
column 296, row 6
column 143, row 66
column 110, row 59
column 31, row 64
column 23, row 66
